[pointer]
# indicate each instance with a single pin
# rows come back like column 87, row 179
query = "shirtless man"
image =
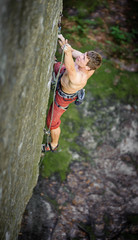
column 74, row 76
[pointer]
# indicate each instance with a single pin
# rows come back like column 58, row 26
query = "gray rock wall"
column 28, row 39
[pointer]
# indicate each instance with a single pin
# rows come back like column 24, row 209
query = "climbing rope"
column 47, row 132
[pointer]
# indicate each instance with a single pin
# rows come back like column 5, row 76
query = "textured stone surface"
column 28, row 38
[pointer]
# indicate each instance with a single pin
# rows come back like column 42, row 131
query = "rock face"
column 27, row 46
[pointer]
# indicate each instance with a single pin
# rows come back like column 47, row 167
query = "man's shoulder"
column 81, row 78
column 81, row 75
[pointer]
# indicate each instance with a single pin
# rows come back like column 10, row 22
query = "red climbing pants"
column 64, row 102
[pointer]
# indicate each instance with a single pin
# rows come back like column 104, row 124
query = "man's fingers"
column 60, row 36
column 64, row 41
column 64, row 44
column 60, row 42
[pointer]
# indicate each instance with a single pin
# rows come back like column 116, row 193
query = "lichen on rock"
column 27, row 47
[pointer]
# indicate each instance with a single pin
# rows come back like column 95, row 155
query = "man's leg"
column 55, row 133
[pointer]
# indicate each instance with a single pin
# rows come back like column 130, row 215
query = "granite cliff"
column 28, row 42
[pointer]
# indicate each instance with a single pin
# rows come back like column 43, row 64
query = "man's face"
column 82, row 60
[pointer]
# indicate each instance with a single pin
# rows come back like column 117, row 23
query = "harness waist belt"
column 66, row 95
column 61, row 93
column 64, row 108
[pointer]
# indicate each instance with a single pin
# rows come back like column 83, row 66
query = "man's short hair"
column 95, row 60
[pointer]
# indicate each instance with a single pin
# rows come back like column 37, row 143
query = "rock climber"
column 73, row 77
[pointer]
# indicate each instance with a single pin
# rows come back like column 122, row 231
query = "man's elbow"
column 70, row 68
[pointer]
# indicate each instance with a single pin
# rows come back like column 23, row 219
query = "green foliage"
column 81, row 26
column 118, row 34
column 56, row 163
column 132, row 219
column 79, row 30
column 83, row 7
column 121, row 36
column 115, row 50
column 109, row 81
column 129, row 236
column 87, row 228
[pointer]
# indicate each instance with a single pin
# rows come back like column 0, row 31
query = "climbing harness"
column 80, row 96
column 65, row 95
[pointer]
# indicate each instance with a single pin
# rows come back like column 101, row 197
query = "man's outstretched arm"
column 75, row 53
column 68, row 59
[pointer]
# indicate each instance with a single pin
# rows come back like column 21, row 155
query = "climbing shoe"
column 48, row 148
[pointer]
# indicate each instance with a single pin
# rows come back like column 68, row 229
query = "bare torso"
column 78, row 83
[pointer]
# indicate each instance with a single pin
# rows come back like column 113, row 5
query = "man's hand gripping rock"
column 64, row 44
